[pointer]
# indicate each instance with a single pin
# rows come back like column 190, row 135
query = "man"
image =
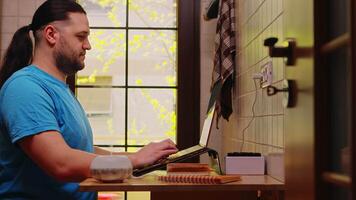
column 46, row 144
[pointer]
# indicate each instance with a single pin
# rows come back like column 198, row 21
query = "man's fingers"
column 168, row 144
column 168, row 141
column 167, row 152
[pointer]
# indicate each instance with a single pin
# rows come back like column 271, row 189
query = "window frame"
column 188, row 72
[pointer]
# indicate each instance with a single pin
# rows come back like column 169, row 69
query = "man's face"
column 69, row 53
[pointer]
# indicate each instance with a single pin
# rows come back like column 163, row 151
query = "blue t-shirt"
column 31, row 102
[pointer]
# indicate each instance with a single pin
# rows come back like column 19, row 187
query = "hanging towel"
column 212, row 10
column 224, row 61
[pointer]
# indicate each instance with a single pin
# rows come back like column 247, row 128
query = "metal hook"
column 287, row 52
column 271, row 90
column 289, row 90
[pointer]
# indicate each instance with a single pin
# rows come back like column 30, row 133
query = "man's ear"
column 51, row 34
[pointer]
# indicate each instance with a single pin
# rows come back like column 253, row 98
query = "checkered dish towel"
column 224, row 61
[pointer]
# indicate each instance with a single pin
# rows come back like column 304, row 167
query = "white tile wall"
column 207, row 30
column 8, row 24
column 14, row 14
column 27, row 7
column 256, row 20
column 23, row 21
column 5, row 40
column 9, row 8
column 207, row 47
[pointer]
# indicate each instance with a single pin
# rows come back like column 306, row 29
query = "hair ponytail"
column 18, row 55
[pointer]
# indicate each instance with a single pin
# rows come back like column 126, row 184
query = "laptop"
column 184, row 154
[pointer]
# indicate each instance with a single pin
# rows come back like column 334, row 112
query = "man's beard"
column 68, row 64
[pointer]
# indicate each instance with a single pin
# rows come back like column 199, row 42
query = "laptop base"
column 214, row 157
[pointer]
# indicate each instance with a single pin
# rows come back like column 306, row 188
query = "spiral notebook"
column 186, row 153
column 200, row 179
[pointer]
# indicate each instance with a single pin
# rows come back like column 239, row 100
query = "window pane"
column 151, row 115
column 105, row 13
column 105, row 108
column 133, row 149
column 153, row 13
column 114, row 149
column 112, row 195
column 106, row 58
column 152, row 58
column 138, row 195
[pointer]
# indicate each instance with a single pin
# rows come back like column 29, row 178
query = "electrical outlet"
column 266, row 72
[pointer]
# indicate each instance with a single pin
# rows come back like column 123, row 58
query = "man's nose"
column 86, row 45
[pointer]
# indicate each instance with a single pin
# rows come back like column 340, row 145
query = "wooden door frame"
column 322, row 105
column 321, row 100
column 353, row 96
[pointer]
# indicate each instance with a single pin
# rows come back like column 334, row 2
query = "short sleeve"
column 27, row 108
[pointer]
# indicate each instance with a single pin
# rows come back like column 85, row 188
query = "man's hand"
column 152, row 152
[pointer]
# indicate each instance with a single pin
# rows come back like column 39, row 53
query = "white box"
column 275, row 165
column 245, row 165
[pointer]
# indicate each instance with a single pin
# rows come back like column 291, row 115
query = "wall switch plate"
column 266, row 71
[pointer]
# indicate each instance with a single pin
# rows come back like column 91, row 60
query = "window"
column 128, row 87
column 141, row 83
column 142, row 77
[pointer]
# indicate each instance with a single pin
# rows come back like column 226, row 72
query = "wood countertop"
column 150, row 182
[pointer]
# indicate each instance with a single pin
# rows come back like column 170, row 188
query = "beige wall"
column 256, row 20
column 207, row 46
column 15, row 14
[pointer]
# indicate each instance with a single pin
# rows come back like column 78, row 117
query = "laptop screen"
column 204, row 137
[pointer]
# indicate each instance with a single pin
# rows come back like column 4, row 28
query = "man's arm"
column 52, row 154
column 101, row 151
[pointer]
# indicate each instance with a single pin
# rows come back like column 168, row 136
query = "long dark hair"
column 20, row 51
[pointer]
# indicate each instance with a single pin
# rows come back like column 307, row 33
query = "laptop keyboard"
column 184, row 152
